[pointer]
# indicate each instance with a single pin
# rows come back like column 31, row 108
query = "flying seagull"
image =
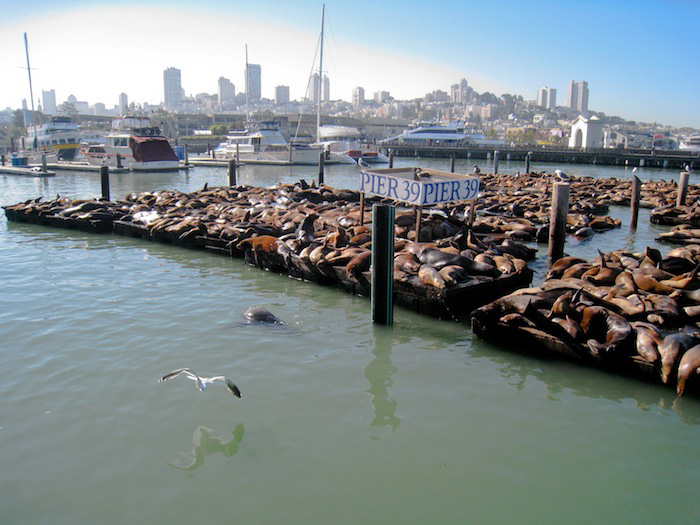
column 202, row 382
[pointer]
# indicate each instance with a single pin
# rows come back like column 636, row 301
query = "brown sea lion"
column 647, row 341
column 431, row 276
column 606, row 331
column 453, row 274
column 406, row 262
column 359, row 264
column 670, row 349
column 688, row 367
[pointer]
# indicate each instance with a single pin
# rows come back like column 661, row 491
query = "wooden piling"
column 232, row 173
column 382, row 290
column 187, row 158
column 391, row 159
column 682, row 188
column 2, row 159
column 527, row 161
column 452, row 164
column 119, row 160
column 557, row 220
column 321, row 166
column 104, row 178
column 495, row 162
column 362, row 208
column 634, row 201
column 43, row 162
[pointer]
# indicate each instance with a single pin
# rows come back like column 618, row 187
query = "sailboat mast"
column 247, row 89
column 31, row 92
column 320, row 78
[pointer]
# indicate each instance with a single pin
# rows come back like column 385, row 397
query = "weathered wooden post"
column 186, row 155
column 557, row 220
column 362, row 208
column 321, row 166
column 634, row 201
column 119, row 161
column 232, row 173
column 495, row 162
column 682, row 188
column 209, row 149
column 383, row 264
column 2, row 159
column 527, row 161
column 391, row 159
column 452, row 164
column 43, row 162
column 104, row 178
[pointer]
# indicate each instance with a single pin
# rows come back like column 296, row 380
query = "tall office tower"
column 463, row 91
column 358, row 96
column 380, row 97
column 123, row 104
column 326, row 90
column 455, row 94
column 578, row 96
column 48, row 99
column 172, row 89
column 282, row 95
column 315, row 88
column 227, row 91
column 547, row 98
column 253, row 83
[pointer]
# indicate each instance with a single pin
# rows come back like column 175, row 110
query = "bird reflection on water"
column 205, row 445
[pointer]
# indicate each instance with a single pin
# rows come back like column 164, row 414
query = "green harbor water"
column 340, row 421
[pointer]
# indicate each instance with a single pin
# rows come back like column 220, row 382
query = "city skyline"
column 408, row 51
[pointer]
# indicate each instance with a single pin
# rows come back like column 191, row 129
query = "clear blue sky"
column 639, row 57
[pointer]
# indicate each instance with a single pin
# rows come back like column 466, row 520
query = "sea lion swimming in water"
column 261, row 315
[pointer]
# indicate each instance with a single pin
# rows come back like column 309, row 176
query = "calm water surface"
column 340, row 421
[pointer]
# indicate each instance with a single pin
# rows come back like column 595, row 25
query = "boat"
column 263, row 143
column 691, row 143
column 135, row 144
column 59, row 136
column 344, row 143
column 453, row 134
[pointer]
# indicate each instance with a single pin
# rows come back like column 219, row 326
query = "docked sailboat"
column 135, row 144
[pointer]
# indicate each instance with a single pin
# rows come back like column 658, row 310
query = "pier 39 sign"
column 419, row 187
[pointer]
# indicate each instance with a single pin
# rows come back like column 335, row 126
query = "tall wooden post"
column 362, row 208
column 119, row 161
column 43, row 162
column 391, row 159
column 452, row 164
column 634, row 201
column 527, row 161
column 187, row 158
column 321, row 166
column 104, row 178
column 232, row 173
column 383, row 264
column 682, row 188
column 557, row 220
column 495, row 162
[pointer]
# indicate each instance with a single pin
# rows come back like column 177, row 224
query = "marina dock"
column 27, row 171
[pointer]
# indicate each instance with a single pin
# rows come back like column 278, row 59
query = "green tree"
column 68, row 109
column 219, row 129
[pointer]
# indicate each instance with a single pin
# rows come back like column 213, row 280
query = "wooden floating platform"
column 28, row 171
column 81, row 166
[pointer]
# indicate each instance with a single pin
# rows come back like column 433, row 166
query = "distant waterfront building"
column 123, row 104
column 380, row 97
column 227, row 91
column 578, row 96
column 282, row 95
column 358, row 97
column 172, row 85
column 253, row 82
column 326, row 91
column 547, row 98
column 48, row 99
column 586, row 133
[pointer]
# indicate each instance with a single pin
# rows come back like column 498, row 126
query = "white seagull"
column 561, row 175
column 202, row 382
column 362, row 163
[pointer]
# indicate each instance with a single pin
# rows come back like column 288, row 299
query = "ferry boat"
column 133, row 143
column 452, row 134
column 691, row 143
column 262, row 143
column 344, row 145
column 60, row 137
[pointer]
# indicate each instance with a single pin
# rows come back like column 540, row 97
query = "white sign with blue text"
column 419, row 187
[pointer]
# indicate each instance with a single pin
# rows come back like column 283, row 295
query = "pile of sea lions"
column 636, row 310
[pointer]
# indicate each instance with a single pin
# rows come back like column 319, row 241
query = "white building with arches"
column 586, row 133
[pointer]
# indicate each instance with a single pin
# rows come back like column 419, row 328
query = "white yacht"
column 691, row 143
column 452, row 134
column 133, row 143
column 344, row 144
column 262, row 143
column 60, row 137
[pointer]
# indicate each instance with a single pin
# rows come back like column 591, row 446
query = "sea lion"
column 606, row 331
column 647, row 341
column 688, row 367
column 431, row 276
column 438, row 259
column 259, row 314
column 406, row 262
column 452, row 274
column 672, row 346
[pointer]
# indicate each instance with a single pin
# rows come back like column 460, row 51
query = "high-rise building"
column 282, row 95
column 358, row 96
column 227, row 91
column 123, row 104
column 380, row 97
column 172, row 89
column 315, row 88
column 547, row 98
column 48, row 101
column 578, row 96
column 253, row 83
column 326, row 91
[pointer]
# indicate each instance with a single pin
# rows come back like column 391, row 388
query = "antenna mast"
column 320, row 79
column 31, row 92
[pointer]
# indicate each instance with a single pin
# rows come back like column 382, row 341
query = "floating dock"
column 27, row 171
